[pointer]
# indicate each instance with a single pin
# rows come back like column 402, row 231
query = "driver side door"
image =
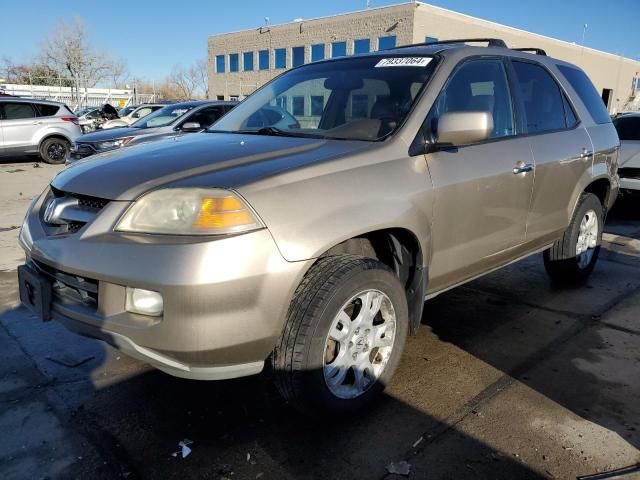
column 483, row 191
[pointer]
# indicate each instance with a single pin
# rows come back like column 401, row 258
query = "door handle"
column 523, row 168
column 586, row 153
column 36, row 123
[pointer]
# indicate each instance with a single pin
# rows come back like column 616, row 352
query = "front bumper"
column 225, row 300
column 629, row 178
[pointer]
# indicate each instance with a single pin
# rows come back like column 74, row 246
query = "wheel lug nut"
column 357, row 331
column 350, row 344
column 355, row 355
column 367, row 331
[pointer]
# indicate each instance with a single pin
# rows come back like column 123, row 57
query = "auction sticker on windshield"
column 404, row 62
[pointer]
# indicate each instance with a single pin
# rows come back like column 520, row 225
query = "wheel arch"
column 400, row 250
column 53, row 135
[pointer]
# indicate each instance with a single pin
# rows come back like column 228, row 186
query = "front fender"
column 312, row 210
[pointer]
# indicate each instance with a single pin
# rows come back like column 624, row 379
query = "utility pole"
column 584, row 31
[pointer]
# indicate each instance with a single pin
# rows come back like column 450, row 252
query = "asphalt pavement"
column 509, row 377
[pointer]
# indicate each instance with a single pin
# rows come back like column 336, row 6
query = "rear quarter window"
column 587, row 93
column 44, row 110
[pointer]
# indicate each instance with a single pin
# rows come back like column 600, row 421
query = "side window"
column 206, row 117
column 587, row 93
column 628, row 127
column 17, row 111
column 541, row 97
column 569, row 114
column 45, row 110
column 478, row 85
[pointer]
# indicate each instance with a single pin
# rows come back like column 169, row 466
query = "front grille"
column 68, row 287
column 629, row 173
column 77, row 212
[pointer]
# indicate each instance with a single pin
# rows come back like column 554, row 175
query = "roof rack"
column 537, row 51
column 491, row 42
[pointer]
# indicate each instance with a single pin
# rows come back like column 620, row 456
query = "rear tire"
column 54, row 150
column 336, row 355
column 572, row 258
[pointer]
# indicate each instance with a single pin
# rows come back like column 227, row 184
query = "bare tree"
column 200, row 71
column 184, row 82
column 67, row 50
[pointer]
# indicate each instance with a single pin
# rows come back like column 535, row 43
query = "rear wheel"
column 54, row 150
column 344, row 335
column 572, row 258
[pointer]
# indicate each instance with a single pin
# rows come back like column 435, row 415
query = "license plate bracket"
column 35, row 292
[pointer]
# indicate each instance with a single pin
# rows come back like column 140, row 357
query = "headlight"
column 111, row 144
column 189, row 211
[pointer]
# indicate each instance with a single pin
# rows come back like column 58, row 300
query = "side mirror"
column 191, row 127
column 464, row 128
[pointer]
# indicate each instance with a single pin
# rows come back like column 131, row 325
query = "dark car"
column 174, row 119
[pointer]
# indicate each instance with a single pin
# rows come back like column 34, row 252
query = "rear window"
column 44, row 110
column 587, row 93
column 628, row 127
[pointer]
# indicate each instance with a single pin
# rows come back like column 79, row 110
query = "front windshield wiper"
column 269, row 131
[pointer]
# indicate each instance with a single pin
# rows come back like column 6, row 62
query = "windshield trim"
column 437, row 60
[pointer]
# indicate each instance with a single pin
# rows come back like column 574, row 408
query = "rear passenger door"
column 19, row 126
column 561, row 147
column 481, row 203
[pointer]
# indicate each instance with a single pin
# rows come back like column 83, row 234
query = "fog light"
column 143, row 301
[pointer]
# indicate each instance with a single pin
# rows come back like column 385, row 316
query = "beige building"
column 240, row 62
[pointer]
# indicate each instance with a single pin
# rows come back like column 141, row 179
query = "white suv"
column 29, row 126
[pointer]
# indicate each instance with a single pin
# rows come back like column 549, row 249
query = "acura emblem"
column 54, row 211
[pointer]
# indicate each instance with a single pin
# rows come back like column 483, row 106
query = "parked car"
column 628, row 127
column 169, row 121
column 128, row 118
column 88, row 118
column 313, row 247
column 37, row 127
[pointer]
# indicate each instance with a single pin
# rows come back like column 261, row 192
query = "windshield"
column 163, row 117
column 83, row 111
column 364, row 98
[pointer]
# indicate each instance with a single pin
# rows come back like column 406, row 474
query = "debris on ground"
column 65, row 362
column 185, row 450
column 399, row 468
column 418, row 442
column 37, row 165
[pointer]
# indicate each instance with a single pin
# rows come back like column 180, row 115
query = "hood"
column 112, row 134
column 199, row 159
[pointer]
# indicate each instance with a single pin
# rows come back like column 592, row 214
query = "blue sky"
column 154, row 36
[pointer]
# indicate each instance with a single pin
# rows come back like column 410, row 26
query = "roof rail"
column 491, row 42
column 537, row 51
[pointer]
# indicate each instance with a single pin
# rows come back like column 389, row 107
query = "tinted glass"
column 362, row 45
column 338, row 49
column 363, row 102
column 220, row 63
column 317, row 52
column 16, row 111
column 628, row 127
column 479, row 85
column 45, row 110
column 247, row 61
column 233, row 62
column 280, row 59
column 587, row 93
column 541, row 97
column 386, row 42
column 263, row 59
column 297, row 56
column 430, row 39
column 206, row 116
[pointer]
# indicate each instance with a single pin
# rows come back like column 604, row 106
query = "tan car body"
column 459, row 213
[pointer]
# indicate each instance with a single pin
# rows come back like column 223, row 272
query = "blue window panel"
column 362, row 45
column 280, row 57
column 220, row 63
column 263, row 59
column 317, row 52
column 430, row 39
column 234, row 60
column 317, row 105
column 338, row 49
column 297, row 56
column 247, row 61
column 385, row 43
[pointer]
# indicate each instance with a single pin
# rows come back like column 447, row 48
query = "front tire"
column 343, row 339
column 54, row 150
column 572, row 258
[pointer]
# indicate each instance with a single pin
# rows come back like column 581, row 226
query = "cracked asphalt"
column 509, row 377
